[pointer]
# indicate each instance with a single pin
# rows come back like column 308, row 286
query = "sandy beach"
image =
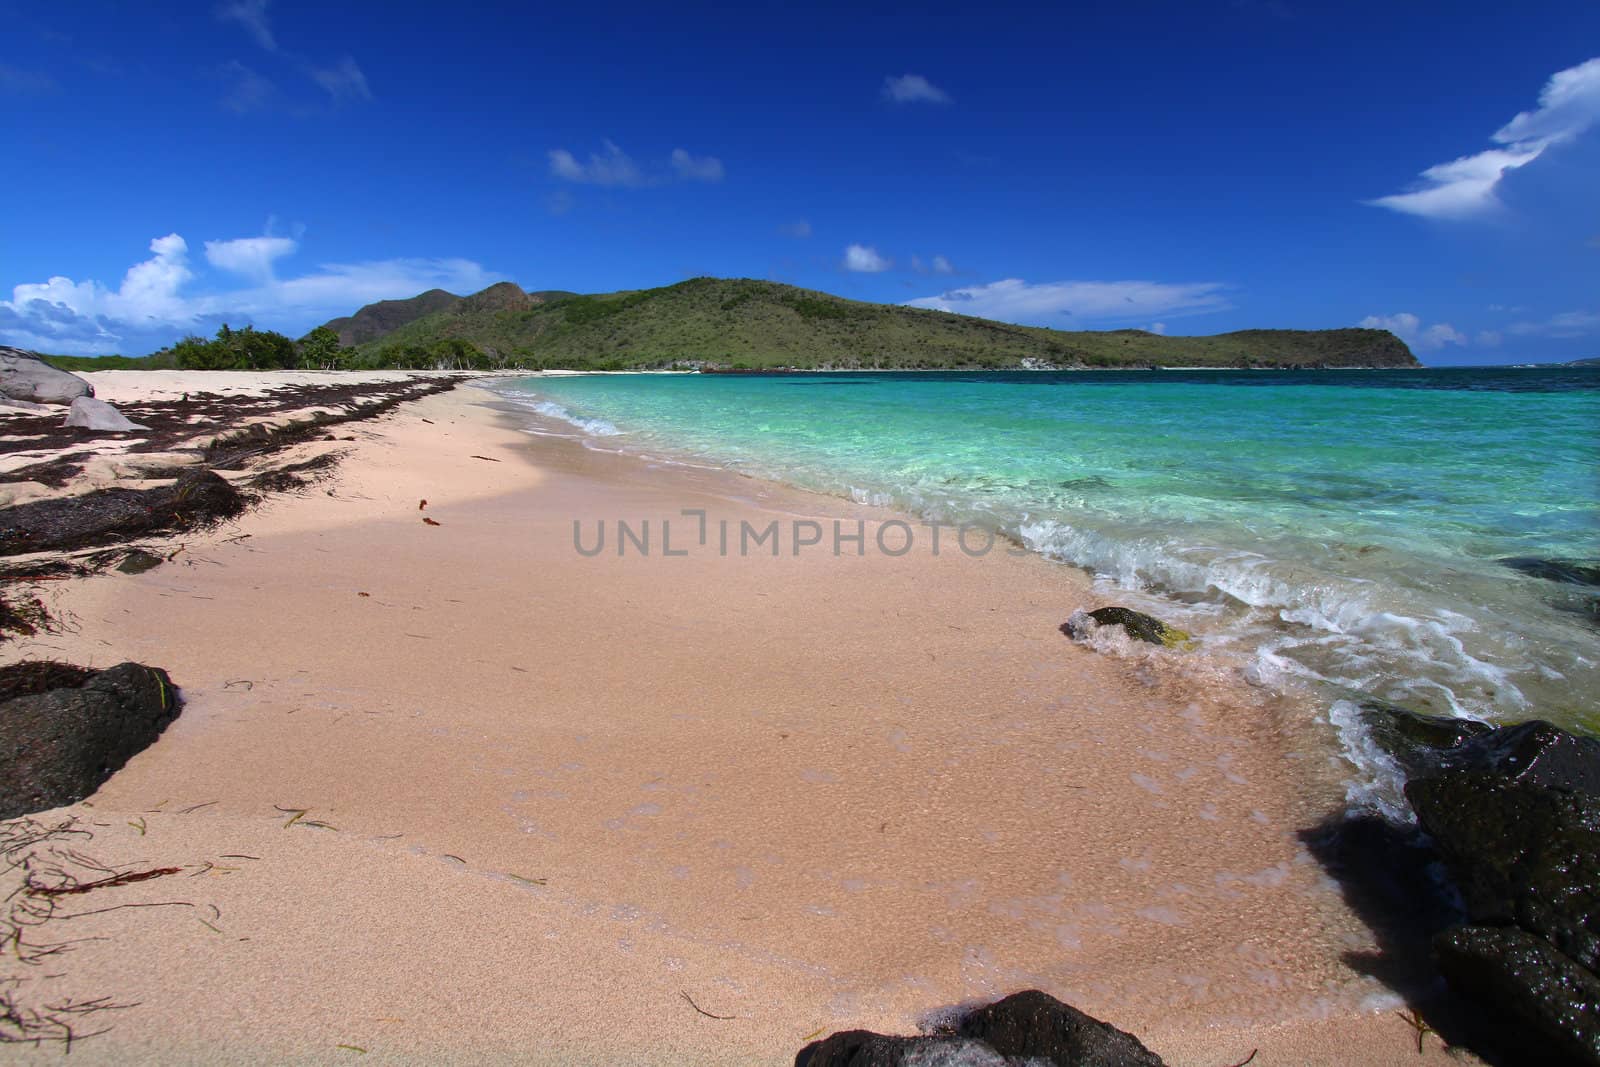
column 455, row 791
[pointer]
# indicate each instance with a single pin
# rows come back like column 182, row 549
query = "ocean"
column 1352, row 533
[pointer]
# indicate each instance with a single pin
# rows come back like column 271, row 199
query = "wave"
column 550, row 409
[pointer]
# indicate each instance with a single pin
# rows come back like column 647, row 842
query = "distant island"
column 732, row 324
column 742, row 323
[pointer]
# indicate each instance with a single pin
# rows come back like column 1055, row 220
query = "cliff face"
column 375, row 320
column 741, row 321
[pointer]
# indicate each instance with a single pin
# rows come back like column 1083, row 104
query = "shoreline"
column 702, row 763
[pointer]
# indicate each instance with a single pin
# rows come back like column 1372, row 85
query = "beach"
column 446, row 787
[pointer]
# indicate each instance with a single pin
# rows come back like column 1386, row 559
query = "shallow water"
column 1342, row 529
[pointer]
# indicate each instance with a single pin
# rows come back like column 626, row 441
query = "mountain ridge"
column 751, row 324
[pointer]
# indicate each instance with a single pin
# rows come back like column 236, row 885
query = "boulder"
column 24, row 376
column 1565, row 571
column 1521, row 853
column 1419, row 743
column 1137, row 623
column 58, row 746
column 1527, row 978
column 1533, row 752
column 87, row 413
column 1028, row 1027
column 9, row 406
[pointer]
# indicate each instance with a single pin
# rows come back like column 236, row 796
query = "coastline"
column 813, row 793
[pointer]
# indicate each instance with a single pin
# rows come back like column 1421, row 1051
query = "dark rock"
column 1509, row 970
column 1137, row 623
column 1417, row 742
column 111, row 515
column 40, row 676
column 57, row 747
column 1027, row 1027
column 138, row 561
column 1534, row 752
column 24, row 376
column 1520, row 852
column 1035, row 1024
column 1565, row 571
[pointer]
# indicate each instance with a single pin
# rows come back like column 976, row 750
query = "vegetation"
column 730, row 323
column 246, row 349
column 163, row 360
column 748, row 324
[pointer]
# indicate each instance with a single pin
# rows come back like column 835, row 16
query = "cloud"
column 1565, row 325
column 1156, row 327
column 1463, row 188
column 250, row 256
column 611, row 167
column 696, row 168
column 615, row 168
column 913, row 89
column 250, row 91
column 154, row 305
column 799, row 229
column 865, row 260
column 1014, row 300
column 1489, row 338
column 343, row 81
column 25, row 82
column 252, row 15
column 936, row 265
column 1409, row 329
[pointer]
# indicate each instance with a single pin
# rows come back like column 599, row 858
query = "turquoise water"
column 1340, row 529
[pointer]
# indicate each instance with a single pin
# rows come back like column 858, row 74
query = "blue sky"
column 1187, row 167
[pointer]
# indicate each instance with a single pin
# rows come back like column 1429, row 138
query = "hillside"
column 756, row 324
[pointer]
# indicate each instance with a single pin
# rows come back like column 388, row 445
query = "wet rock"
column 1028, row 1027
column 58, row 746
column 1565, row 571
column 138, row 561
column 24, row 376
column 1419, row 743
column 1521, row 853
column 87, row 413
column 1534, row 752
column 1137, row 623
column 1522, row 975
column 111, row 515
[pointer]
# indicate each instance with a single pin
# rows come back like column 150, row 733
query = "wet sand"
column 569, row 805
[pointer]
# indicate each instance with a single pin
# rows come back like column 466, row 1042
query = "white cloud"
column 1409, row 328
column 615, row 168
column 799, row 229
column 1568, row 106
column 344, row 81
column 1156, row 327
column 611, row 167
column 696, row 168
column 153, row 305
column 27, row 82
column 937, row 265
column 252, row 15
column 942, row 265
column 865, row 260
column 249, row 90
column 250, row 256
column 913, row 89
column 1014, row 300
column 1565, row 325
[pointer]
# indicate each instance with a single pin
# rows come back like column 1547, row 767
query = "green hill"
column 758, row 324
